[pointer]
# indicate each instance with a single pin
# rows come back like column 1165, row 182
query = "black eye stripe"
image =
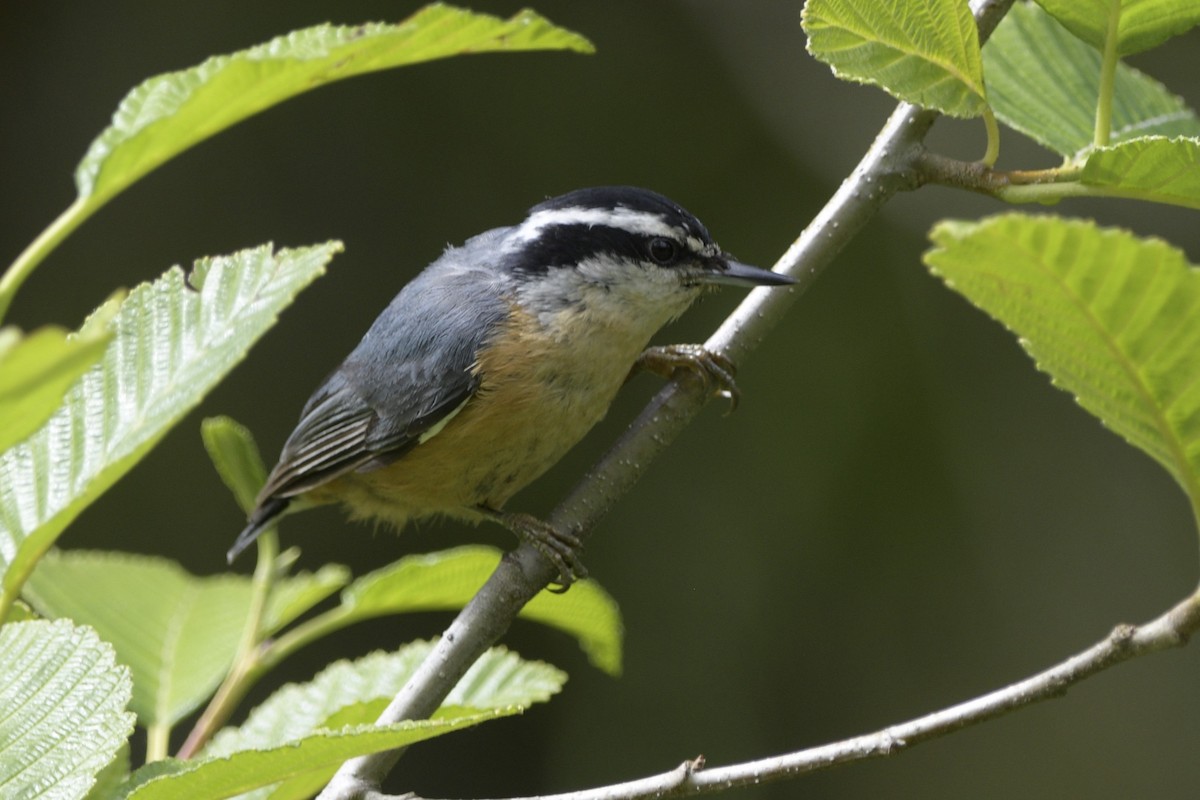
column 570, row 245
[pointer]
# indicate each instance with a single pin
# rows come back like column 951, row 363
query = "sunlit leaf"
column 178, row 633
column 449, row 579
column 926, row 53
column 174, row 339
column 1159, row 169
column 1143, row 23
column 36, row 370
column 1114, row 320
column 63, row 716
column 319, row 752
column 169, row 113
column 1045, row 83
column 355, row 692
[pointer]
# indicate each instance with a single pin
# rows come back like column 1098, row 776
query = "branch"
column 1028, row 186
column 1172, row 629
column 884, row 170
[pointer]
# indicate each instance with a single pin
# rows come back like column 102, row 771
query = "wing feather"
column 409, row 375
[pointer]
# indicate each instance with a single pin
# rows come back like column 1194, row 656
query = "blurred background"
column 902, row 514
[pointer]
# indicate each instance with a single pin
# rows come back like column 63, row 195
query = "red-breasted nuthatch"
column 495, row 360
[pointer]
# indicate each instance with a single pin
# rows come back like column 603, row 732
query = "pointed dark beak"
column 735, row 273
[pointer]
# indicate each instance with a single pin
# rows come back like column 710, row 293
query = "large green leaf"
column 449, row 579
column 355, row 692
column 317, row 753
column 1143, row 23
column 36, row 370
column 1157, row 168
column 1114, row 319
column 62, row 710
column 926, row 53
column 174, row 339
column 177, row 633
column 1045, row 83
column 169, row 113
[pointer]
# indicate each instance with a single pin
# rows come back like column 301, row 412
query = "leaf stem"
column 158, row 741
column 1028, row 186
column 1108, row 72
column 248, row 663
column 39, row 248
column 993, row 138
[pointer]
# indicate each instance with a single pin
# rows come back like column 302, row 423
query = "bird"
column 496, row 359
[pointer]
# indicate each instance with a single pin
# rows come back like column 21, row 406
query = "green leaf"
column 37, row 370
column 169, row 113
column 925, row 53
column 1157, row 169
column 1045, row 83
column 1111, row 317
column 177, row 633
column 1143, row 24
column 498, row 680
column 292, row 596
column 320, row 752
column 112, row 776
column 174, row 340
column 63, row 698
column 355, row 692
column 446, row 581
column 237, row 460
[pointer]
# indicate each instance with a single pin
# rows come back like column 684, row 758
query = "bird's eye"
column 663, row 250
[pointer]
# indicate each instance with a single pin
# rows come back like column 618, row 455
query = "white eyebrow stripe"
column 634, row 221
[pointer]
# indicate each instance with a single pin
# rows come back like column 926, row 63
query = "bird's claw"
column 715, row 371
column 560, row 548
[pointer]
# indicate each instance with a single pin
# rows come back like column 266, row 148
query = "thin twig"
column 884, row 170
column 1172, row 629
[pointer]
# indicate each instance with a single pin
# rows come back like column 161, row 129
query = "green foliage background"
column 903, row 513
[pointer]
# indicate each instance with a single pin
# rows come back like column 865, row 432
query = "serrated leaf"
column 233, row 452
column 169, row 113
column 322, row 751
column 112, row 776
column 63, row 698
column 37, row 370
column 354, row 692
column 178, row 633
column 449, row 579
column 1045, row 83
column 1143, row 23
column 1154, row 168
column 173, row 342
column 498, row 680
column 925, row 53
column 1112, row 318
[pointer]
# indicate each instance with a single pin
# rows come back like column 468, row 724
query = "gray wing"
column 412, row 369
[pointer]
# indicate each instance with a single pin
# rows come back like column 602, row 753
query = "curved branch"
column 1172, row 629
column 886, row 169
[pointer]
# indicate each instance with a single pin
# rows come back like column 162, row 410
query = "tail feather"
column 260, row 519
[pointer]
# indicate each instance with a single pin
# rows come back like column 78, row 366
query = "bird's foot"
column 715, row 371
column 560, row 548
